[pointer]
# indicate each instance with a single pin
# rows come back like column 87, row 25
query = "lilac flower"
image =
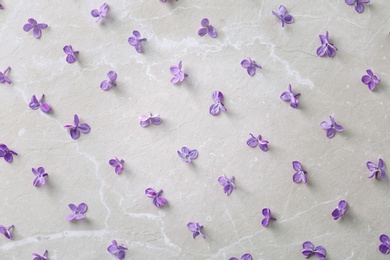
column 243, row 257
column 146, row 120
column 6, row 231
column 37, row 27
column 40, row 176
column 77, row 128
column 1, row 7
column 178, row 75
column 340, row 210
column 250, row 66
column 35, row 104
column 7, row 153
column 227, row 184
column 359, row 4
column 283, row 15
column 118, row 164
column 101, row 13
column 4, row 78
column 71, row 56
column 164, row 1
column 217, row 96
column 78, row 212
column 196, row 229
column 188, row 155
column 290, row 96
column 158, row 200
column 40, row 257
column 253, row 142
column 136, row 41
column 267, row 217
column 326, row 46
column 300, row 175
column 376, row 170
column 309, row 249
column 385, row 246
column 371, row 80
column 331, row 127
column 207, row 28
column 118, row 251
column 110, row 83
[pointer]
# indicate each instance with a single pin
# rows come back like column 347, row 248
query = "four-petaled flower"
column 1, row 7
column 340, row 210
column 37, row 27
column 243, row 257
column 217, row 96
column 6, row 231
column 110, row 83
column 250, row 66
column 4, row 78
column 35, row 104
column 207, row 28
column 118, row 164
column 331, row 127
column 136, row 41
column 227, row 184
column 101, row 13
column 385, row 246
column 7, row 153
column 290, row 96
column 40, row 257
column 196, row 229
column 40, row 176
column 283, row 15
column 146, row 120
column 158, row 200
column 78, row 212
column 371, row 80
column 300, row 175
column 253, row 142
column 359, row 4
column 309, row 249
column 70, row 54
column 376, row 170
column 77, row 128
column 267, row 217
column 326, row 46
column 118, row 251
column 187, row 155
column 178, row 75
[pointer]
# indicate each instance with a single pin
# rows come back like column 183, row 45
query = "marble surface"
column 118, row 209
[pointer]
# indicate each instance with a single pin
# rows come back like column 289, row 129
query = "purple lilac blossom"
column 290, row 96
column 35, row 104
column 267, row 217
column 283, row 15
column 376, row 170
column 36, row 27
column 326, row 46
column 359, row 4
column 40, row 175
column 40, row 257
column 214, row 109
column 178, row 74
column 300, row 175
column 7, row 153
column 385, row 246
column 146, row 120
column 340, row 210
column 227, row 184
column 118, row 164
column 253, row 142
column 243, row 257
column 196, row 229
column 78, row 211
column 77, row 128
column 6, row 231
column 158, row 200
column 1, row 7
column 250, row 66
column 118, row 251
column 110, row 83
column 371, row 80
column 332, row 127
column 4, row 78
column 136, row 41
column 101, row 13
column 207, row 28
column 188, row 155
column 309, row 249
column 71, row 56
column 164, row 1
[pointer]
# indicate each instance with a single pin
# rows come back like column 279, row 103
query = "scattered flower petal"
column 227, row 184
column 1, row 7
column 110, row 83
column 158, row 200
column 146, row 120
column 77, row 128
column 300, row 174
column 136, row 41
column 207, row 29
column 309, row 249
column 6, row 231
column 376, row 170
column 187, row 155
column 35, row 104
column 371, row 80
column 214, row 109
column 196, row 229
column 243, row 257
column 331, row 127
column 326, row 47
column 101, row 13
column 385, row 246
column 118, row 251
column 253, row 142
column 40, row 257
column 71, row 56
column 283, row 15
column 267, row 217
column 36, row 27
column 290, row 96
column 359, row 4
column 250, row 66
column 7, row 153
column 340, row 210
column 118, row 164
column 40, row 175
column 4, row 78
column 178, row 74
column 78, row 212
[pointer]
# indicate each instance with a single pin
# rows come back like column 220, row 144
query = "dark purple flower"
column 243, row 257
column 340, row 210
column 118, row 164
column 4, row 78
column 158, row 200
column 78, row 212
column 40, row 175
column 118, row 251
column 187, row 155
column 207, row 28
column 267, row 217
column 331, row 127
column 178, row 75
column 376, row 170
column 71, row 56
column 227, row 184
column 385, row 246
column 136, row 41
column 101, row 13
column 35, row 104
column 40, row 257
column 77, row 128
column 283, row 15
column 146, row 120
column 309, row 249
column 110, row 83
column 196, row 229
column 326, row 46
column 359, row 4
column 300, row 175
column 6, row 231
column 217, row 96
column 253, row 142
column 37, row 27
column 7, row 153
column 290, row 96
column 250, row 66
column 371, row 80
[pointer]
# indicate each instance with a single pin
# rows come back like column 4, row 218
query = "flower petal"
column 214, row 109
column 202, row 32
column 325, row 125
column 212, row 32
column 205, row 22
column 381, row 163
column 70, row 58
column 330, row 132
column 193, row 154
column 321, row 51
column 156, row 120
column 82, row 207
column 84, row 128
column 75, row 133
column 45, row 107
column 371, row 166
column 112, row 75
column 245, row 63
column 359, row 7
column 265, row 222
column 27, row 27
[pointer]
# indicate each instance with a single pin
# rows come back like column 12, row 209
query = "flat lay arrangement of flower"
column 326, row 47
column 257, row 141
column 207, row 29
column 6, row 231
column 110, row 83
column 376, row 170
column 6, row 153
column 371, row 80
column 243, row 257
column 267, row 217
column 40, row 175
column 290, row 96
column 147, row 120
column 71, row 55
column 117, row 164
column 214, row 109
column 309, row 249
column 340, row 210
column 4, row 78
column 284, row 17
column 136, row 41
column 117, row 250
column 227, row 183
column 101, row 13
column 41, row 257
column 300, row 174
column 77, row 211
column 358, row 4
column 196, row 229
column 158, row 200
column 35, row 104
column 35, row 26
column 178, row 74
column 188, row 155
column 331, row 127
column 78, row 128
column 250, row 66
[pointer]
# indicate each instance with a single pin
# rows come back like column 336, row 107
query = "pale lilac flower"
column 4, row 78
column 283, row 15
column 331, row 128
column 77, row 128
column 118, row 251
column 71, row 56
column 227, row 184
column 101, row 13
column 40, row 175
column 35, row 104
column 243, row 257
column 359, row 4
column 187, row 155
column 326, row 46
column 78, row 211
column 267, row 217
column 253, row 142
column 146, row 120
column 40, row 257
column 250, row 66
column 6, row 231
column 136, row 41
column 217, row 96
column 196, row 229
column 178, row 75
column 385, row 246
column 300, row 175
column 7, row 153
column 371, row 80
column 376, row 170
column 309, row 249
column 110, row 83
column 36, row 27
column 118, row 164
column 340, row 210
column 290, row 96
column 207, row 28
column 158, row 200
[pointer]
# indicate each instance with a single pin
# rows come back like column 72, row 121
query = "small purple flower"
column 309, row 249
column 178, row 75
column 158, row 200
column 40, row 175
column 243, row 257
column 1, row 7
column 340, row 210
column 283, row 15
column 331, row 127
column 118, row 251
column 78, row 212
column 253, row 142
column 118, row 164
column 146, row 120
column 101, row 13
column 326, row 46
column 371, row 80
column 300, row 175
column 40, row 257
column 385, row 246
column 376, row 170
column 37, row 27
column 110, row 83
column 290, row 96
column 6, row 231
column 359, row 4
column 196, row 229
column 35, row 104
column 217, row 96
column 187, row 155
column 227, row 184
column 250, row 66
column 207, row 28
column 77, row 128
column 267, row 217
column 164, row 1
column 4, row 78
column 136, row 41
column 7, row 153
column 71, row 56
